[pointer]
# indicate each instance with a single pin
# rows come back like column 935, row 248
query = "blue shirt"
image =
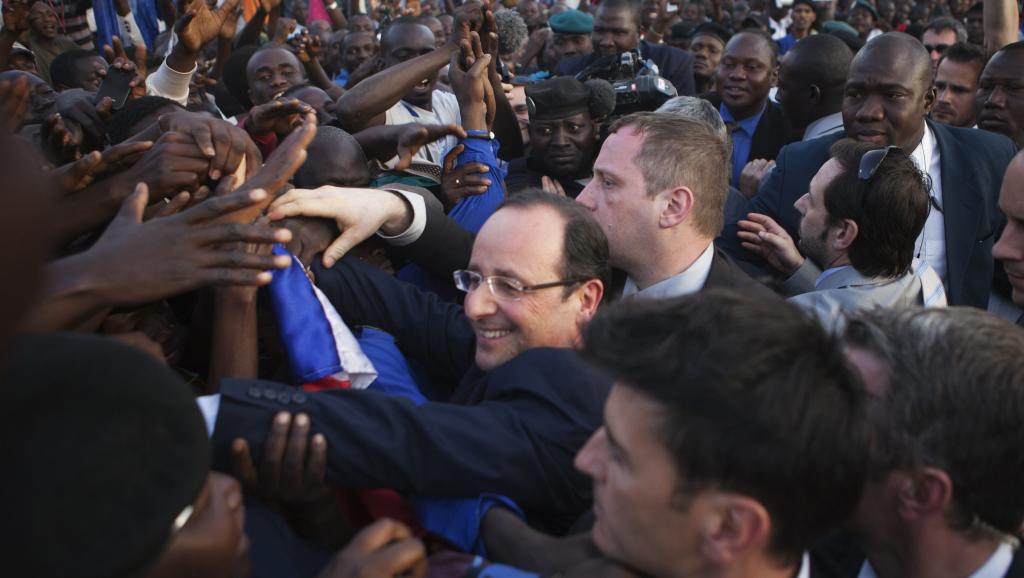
column 742, row 138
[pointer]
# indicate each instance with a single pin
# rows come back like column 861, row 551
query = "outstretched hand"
column 198, row 25
column 418, row 136
column 762, row 236
column 384, row 548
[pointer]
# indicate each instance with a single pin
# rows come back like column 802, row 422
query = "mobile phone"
column 115, row 85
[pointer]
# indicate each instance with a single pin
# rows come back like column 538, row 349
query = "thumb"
column 133, row 207
column 349, row 238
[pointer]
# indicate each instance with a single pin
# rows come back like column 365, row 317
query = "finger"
column 240, row 277
column 398, row 558
column 133, row 207
column 316, row 471
column 240, row 258
column 105, row 106
column 226, row 9
column 475, row 181
column 75, row 174
column 241, row 233
column 449, row 159
column 752, row 238
column 348, row 239
column 273, row 452
column 781, row 244
column 295, row 454
column 378, row 534
column 241, row 462
column 228, row 156
column 480, row 67
column 455, row 130
column 108, row 53
column 172, row 207
column 225, row 186
column 749, row 226
column 120, row 152
column 218, row 206
column 118, row 47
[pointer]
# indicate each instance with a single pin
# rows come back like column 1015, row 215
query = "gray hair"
column 943, row 23
column 696, row 109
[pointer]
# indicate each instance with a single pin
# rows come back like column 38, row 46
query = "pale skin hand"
column 552, row 186
column 359, row 213
column 762, row 236
column 384, row 548
column 752, row 175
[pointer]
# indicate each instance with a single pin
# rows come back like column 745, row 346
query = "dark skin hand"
column 196, row 26
column 416, row 136
column 384, row 548
column 61, row 141
column 76, row 176
column 14, row 100
column 463, row 180
column 118, row 58
column 279, row 116
column 76, row 105
column 223, row 143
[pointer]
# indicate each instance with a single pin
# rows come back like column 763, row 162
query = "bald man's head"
column 333, row 158
column 889, row 92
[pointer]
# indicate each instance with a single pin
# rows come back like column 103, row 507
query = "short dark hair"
column 773, row 46
column 944, row 23
column 954, row 401
column 788, row 420
column 585, row 252
column 890, row 209
column 62, row 69
column 681, row 151
column 966, row 53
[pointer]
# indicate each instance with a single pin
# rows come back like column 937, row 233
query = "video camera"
column 638, row 87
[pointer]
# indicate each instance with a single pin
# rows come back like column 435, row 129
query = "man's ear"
column 589, row 294
column 736, row 526
column 679, row 204
column 846, row 233
column 929, row 99
column 815, row 94
column 923, row 492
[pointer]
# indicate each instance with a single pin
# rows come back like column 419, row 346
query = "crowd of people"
column 668, row 288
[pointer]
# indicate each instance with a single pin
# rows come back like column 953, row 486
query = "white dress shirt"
column 824, row 125
column 995, row 567
column 931, row 244
column 689, row 281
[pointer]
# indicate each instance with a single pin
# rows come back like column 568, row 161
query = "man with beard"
column 859, row 223
column 888, row 95
column 956, row 82
column 707, row 46
column 999, row 101
column 564, row 118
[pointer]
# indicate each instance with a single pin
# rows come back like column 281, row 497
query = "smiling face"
column 638, row 519
column 43, row 20
column 888, row 94
column 1010, row 248
column 270, row 72
column 404, row 42
column 615, row 30
column 999, row 101
column 956, row 84
column 564, row 146
column 746, row 74
column 504, row 327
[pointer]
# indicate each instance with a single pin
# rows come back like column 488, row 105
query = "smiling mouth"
column 493, row 333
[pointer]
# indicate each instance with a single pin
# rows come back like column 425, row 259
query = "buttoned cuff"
column 419, row 220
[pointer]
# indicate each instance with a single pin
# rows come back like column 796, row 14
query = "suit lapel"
column 961, row 207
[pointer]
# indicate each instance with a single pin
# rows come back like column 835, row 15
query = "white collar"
column 689, row 281
column 825, row 125
column 995, row 567
column 922, row 155
column 805, row 567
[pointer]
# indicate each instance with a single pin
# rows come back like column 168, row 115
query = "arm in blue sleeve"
column 471, row 212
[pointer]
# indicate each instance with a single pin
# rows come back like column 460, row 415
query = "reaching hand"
column 224, row 143
column 552, row 186
column 144, row 262
column 293, row 465
column 61, row 141
column 285, row 27
column 417, row 136
column 77, row 105
column 384, row 548
column 198, row 25
column 14, row 100
column 359, row 214
column 752, row 175
column 462, row 181
column 470, row 84
column 279, row 116
column 761, row 235
column 77, row 175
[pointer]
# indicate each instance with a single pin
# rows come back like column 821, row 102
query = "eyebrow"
column 614, row 443
column 879, row 86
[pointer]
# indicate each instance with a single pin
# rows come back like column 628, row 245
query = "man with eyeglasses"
column 939, row 35
column 510, row 401
column 887, row 98
column 859, row 226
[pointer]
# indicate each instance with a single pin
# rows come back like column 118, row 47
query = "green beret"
column 571, row 22
column 834, row 26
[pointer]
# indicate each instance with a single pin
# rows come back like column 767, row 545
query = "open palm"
column 199, row 25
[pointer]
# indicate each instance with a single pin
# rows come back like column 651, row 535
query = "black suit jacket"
column 772, row 133
column 524, row 173
column 674, row 65
column 972, row 163
column 513, row 431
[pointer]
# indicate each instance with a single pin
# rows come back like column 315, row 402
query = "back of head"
column 512, row 31
column 944, row 23
column 63, row 74
column 823, row 60
column 585, row 251
column 397, row 28
column 679, row 151
column 333, row 158
column 697, row 109
column 953, row 401
column 890, row 208
column 110, row 448
column 788, row 420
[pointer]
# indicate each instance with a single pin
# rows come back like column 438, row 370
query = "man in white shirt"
column 943, row 497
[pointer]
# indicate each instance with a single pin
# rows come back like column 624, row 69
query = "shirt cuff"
column 419, row 220
column 209, row 406
column 170, row 83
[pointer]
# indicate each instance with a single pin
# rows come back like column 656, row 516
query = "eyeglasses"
column 940, row 48
column 503, row 287
column 873, row 159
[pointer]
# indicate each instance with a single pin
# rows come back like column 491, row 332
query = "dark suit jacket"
column 972, row 164
column 523, row 173
column 513, row 431
column 673, row 64
column 772, row 133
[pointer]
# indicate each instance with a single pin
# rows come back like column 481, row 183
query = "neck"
column 669, row 258
column 910, row 145
column 702, row 84
column 745, row 113
column 757, row 567
column 800, row 34
column 929, row 552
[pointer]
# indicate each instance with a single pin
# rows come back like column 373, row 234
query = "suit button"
column 269, row 394
column 255, row 392
column 283, row 397
column 299, row 398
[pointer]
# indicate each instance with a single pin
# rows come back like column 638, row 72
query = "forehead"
column 709, row 40
column 578, row 118
column 749, row 47
column 1006, row 64
column 271, row 58
column 931, row 36
column 503, row 244
column 824, row 176
column 1011, row 197
column 358, row 39
column 882, row 66
column 958, row 72
column 410, row 36
column 617, row 17
column 40, row 8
